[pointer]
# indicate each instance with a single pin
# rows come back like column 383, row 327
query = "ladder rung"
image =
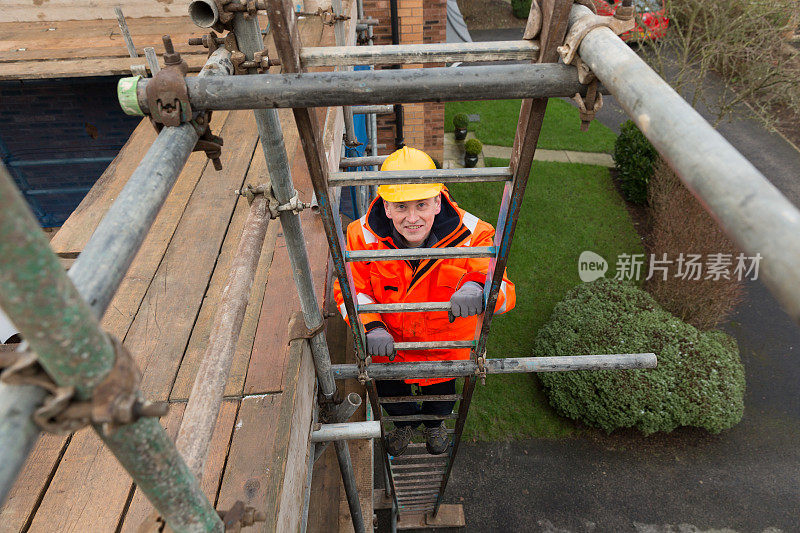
column 418, row 465
column 418, row 501
column 433, row 345
column 519, row 50
column 430, row 473
column 417, row 492
column 377, row 109
column 413, row 418
column 414, row 307
column 442, row 175
column 416, row 509
column 426, row 398
column 416, row 457
column 420, row 253
column 410, row 484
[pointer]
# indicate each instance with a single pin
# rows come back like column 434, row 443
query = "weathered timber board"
column 74, row 48
column 29, row 488
column 166, row 317
column 33, row 10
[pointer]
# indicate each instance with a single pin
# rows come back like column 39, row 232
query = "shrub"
column 460, row 121
column 699, row 380
column 634, row 157
column 473, row 147
column 521, row 8
column 679, row 224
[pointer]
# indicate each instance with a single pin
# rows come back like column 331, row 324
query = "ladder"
column 417, row 481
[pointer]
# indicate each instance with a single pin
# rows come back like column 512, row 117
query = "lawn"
column 560, row 131
column 568, row 208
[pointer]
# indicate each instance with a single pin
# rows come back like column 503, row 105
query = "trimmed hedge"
column 634, row 158
column 699, row 380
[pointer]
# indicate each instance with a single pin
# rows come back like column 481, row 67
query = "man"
column 419, row 216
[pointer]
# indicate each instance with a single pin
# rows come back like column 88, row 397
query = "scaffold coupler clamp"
column 362, row 369
column 295, row 205
column 480, row 371
column 168, row 101
column 115, row 401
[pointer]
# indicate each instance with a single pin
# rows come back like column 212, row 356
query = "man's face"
column 413, row 220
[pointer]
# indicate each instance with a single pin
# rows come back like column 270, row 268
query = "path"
column 454, row 154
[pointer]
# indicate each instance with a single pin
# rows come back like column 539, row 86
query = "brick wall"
column 57, row 136
column 420, row 22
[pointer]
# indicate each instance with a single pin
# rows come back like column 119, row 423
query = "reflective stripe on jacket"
column 433, row 280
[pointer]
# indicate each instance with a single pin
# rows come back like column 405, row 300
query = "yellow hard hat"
column 409, row 159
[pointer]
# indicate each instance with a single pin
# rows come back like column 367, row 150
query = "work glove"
column 466, row 301
column 380, row 342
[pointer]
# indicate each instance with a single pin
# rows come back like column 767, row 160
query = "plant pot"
column 470, row 160
column 461, row 134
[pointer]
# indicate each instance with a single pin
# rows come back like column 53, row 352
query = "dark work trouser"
column 388, row 388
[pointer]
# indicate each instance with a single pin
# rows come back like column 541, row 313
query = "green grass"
column 567, row 209
column 560, row 131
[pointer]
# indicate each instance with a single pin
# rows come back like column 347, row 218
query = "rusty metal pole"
column 205, row 400
column 64, row 333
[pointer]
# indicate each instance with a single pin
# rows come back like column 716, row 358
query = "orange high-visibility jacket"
column 433, row 280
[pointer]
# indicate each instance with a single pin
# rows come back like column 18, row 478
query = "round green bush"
column 634, row 158
column 460, row 121
column 699, row 380
column 521, row 8
column 473, row 147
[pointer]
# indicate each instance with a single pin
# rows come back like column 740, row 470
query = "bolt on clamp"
column 480, row 371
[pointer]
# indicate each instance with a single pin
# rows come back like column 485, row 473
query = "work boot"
column 398, row 439
column 436, row 439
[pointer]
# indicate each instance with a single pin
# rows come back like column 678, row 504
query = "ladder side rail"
column 555, row 17
column 372, row 394
column 463, row 409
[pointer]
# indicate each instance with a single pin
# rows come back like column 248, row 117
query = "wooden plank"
column 140, row 509
column 25, row 11
column 77, row 68
column 257, row 174
column 45, row 46
column 326, row 485
column 290, row 463
column 247, row 471
column 120, row 314
column 163, row 324
column 449, row 516
column 97, row 29
column 80, row 225
column 81, row 496
column 28, row 489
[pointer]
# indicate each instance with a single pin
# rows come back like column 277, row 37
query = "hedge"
column 699, row 380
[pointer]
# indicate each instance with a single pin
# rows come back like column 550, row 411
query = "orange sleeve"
column 361, row 280
column 478, row 268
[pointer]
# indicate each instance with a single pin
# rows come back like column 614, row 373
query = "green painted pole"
column 62, row 330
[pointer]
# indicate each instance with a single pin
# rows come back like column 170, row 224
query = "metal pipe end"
column 354, row 400
column 204, row 13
